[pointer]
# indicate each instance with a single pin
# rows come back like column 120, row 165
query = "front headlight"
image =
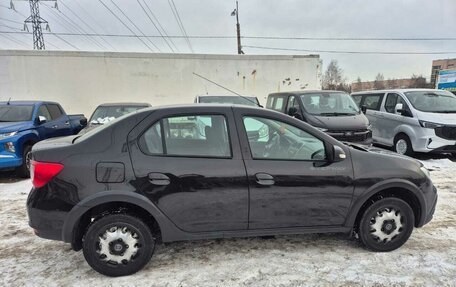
column 430, row 125
column 7, row 135
column 426, row 172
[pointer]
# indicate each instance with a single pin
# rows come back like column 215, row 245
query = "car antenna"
column 8, row 102
column 245, row 98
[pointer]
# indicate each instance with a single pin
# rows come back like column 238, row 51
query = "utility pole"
column 238, row 28
column 36, row 21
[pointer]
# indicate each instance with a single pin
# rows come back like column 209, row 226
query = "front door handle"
column 264, row 179
column 67, row 123
column 159, row 178
column 55, row 126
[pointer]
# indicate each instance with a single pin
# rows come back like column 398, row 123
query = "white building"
column 82, row 80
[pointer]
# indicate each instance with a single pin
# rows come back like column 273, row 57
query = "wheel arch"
column 402, row 189
column 81, row 215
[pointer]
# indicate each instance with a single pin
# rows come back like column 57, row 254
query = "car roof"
column 228, row 96
column 26, row 102
column 307, row 92
column 124, row 104
column 392, row 90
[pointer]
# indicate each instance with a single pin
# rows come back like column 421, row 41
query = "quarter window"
column 272, row 139
column 199, row 136
column 357, row 99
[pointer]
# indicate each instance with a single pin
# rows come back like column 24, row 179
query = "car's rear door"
column 60, row 123
column 291, row 184
column 188, row 162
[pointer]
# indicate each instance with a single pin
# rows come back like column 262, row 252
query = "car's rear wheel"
column 118, row 245
column 386, row 225
column 24, row 169
column 403, row 145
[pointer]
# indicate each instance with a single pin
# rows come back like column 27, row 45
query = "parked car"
column 109, row 111
column 238, row 100
column 24, row 123
column 411, row 120
column 143, row 178
column 332, row 112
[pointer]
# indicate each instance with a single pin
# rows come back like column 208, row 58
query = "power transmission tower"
column 36, row 21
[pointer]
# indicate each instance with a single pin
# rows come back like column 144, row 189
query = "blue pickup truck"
column 24, row 123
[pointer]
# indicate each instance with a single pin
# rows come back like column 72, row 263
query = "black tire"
column 24, row 169
column 402, row 138
column 144, row 241
column 386, row 207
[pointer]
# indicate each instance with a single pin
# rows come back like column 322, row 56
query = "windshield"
column 105, row 114
column 329, row 104
column 249, row 101
column 10, row 113
column 432, row 101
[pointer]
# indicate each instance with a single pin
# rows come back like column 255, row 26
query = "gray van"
column 333, row 112
column 411, row 120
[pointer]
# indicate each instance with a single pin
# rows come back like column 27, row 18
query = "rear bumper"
column 45, row 223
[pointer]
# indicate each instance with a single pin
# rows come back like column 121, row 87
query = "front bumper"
column 430, row 202
column 428, row 141
column 9, row 160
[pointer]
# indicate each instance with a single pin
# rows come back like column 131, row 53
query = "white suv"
column 411, row 120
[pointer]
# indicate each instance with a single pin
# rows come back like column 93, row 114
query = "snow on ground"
column 427, row 259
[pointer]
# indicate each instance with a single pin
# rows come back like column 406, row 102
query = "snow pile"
column 427, row 259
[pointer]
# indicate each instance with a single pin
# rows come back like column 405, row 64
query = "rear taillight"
column 42, row 172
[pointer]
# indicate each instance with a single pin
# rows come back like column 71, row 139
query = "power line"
column 134, row 25
column 84, row 22
column 153, row 23
column 65, row 41
column 179, row 23
column 12, row 21
column 159, row 24
column 18, row 42
column 253, row 37
column 120, row 20
column 93, row 19
column 349, row 52
column 75, row 25
column 68, row 25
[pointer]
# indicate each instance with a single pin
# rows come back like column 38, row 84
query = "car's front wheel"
column 24, row 169
column 118, row 245
column 386, row 225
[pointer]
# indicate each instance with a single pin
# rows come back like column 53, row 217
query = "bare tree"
column 418, row 81
column 333, row 77
column 379, row 82
column 391, row 83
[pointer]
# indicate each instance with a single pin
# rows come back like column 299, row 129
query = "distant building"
column 442, row 64
column 386, row 84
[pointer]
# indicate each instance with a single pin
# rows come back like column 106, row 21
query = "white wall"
column 82, row 80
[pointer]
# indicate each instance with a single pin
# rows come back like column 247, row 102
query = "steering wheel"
column 272, row 145
column 315, row 154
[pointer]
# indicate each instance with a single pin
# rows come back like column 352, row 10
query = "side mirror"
column 294, row 112
column 338, row 154
column 398, row 109
column 364, row 109
column 41, row 120
column 83, row 121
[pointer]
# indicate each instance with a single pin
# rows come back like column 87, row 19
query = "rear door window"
column 191, row 136
column 279, row 104
column 55, row 111
column 372, row 101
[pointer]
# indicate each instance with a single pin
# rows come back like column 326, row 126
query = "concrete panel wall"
column 82, row 80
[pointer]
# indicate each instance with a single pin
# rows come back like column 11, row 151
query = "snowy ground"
column 427, row 259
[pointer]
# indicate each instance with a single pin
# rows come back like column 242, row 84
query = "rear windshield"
column 248, row 101
column 10, row 113
column 105, row 114
column 329, row 104
column 432, row 101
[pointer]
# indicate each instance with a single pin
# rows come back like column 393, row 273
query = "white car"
column 411, row 120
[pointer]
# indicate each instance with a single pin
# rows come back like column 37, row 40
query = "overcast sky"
column 286, row 18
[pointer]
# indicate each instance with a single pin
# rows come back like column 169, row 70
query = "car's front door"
column 191, row 167
column 291, row 182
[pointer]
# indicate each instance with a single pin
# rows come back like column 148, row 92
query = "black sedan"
column 215, row 171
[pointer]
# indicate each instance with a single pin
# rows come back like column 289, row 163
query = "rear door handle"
column 264, row 179
column 159, row 178
column 67, row 123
